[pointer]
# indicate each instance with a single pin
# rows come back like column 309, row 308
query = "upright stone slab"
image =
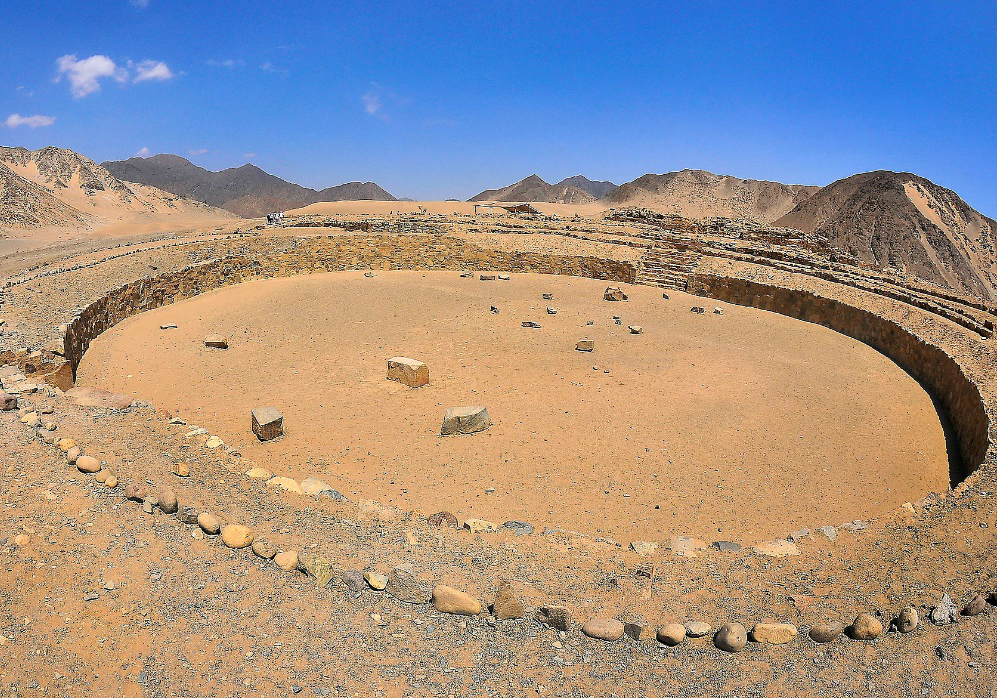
column 465, row 420
column 268, row 423
column 216, row 341
column 410, row 372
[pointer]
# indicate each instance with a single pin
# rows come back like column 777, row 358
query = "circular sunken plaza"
column 814, row 445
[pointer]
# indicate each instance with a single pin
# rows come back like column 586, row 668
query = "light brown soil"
column 712, row 426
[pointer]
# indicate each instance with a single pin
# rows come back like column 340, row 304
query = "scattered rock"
column 608, row 629
column 907, row 620
column 73, row 454
column 287, row 561
column 557, row 617
column 486, row 277
column 671, row 634
column 376, row 581
column 865, row 627
column 726, row 546
column 443, row 519
column 180, row 469
column 507, row 604
column 262, row 548
column 449, row 600
column 209, row 523
column 531, row 324
column 773, row 633
column 686, row 547
column 548, row 296
column 285, row 483
column 614, row 293
column 699, row 310
column 216, row 341
column 214, row 442
column 404, row 586
column 644, row 548
column 87, row 464
column 504, row 277
column 731, row 637
column 976, row 606
column 135, row 492
column 316, row 567
column 551, row 311
column 353, row 580
column 718, row 311
column 798, row 535
column 268, row 423
column 519, row 528
column 635, row 329
column 829, row 532
column 409, row 372
column 167, row 500
column 465, row 420
column 66, row 444
column 585, row 345
column 111, row 482
column 257, row 473
column 638, row 629
column 8, row 402
column 697, row 628
column 169, row 326
column 827, row 630
column 237, row 536
column 479, row 526
column 945, row 612
column 777, row 548
column 187, row 514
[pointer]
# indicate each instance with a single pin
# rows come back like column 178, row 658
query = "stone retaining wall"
column 957, row 395
column 312, row 255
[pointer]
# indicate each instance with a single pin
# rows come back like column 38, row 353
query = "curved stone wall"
column 941, row 375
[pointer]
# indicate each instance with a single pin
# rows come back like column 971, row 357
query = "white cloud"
column 372, row 103
column 15, row 120
column 198, row 151
column 151, row 70
column 227, row 63
column 249, row 156
column 143, row 153
column 85, row 75
column 269, row 67
column 141, row 4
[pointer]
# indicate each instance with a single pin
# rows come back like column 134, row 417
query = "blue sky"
column 436, row 100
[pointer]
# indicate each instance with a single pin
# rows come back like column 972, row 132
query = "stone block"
column 216, row 341
column 585, row 345
column 465, row 420
column 614, row 293
column 268, row 423
column 409, row 372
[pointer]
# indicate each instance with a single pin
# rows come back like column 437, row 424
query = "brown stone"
column 585, row 345
column 405, row 586
column 209, row 523
column 167, row 500
column 731, row 637
column 135, row 492
column 287, row 561
column 907, row 620
column 465, row 420
column 609, row 629
column 975, row 607
column 237, row 536
column 826, row 631
column 446, row 599
column 557, row 617
column 508, row 605
column 268, row 423
column 408, row 372
column 216, row 341
column 671, row 634
column 865, row 627
column 443, row 519
column 614, row 293
column 87, row 464
column 8, row 402
column 773, row 633
column 73, row 453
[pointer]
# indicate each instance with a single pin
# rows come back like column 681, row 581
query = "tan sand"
column 383, row 208
column 741, row 426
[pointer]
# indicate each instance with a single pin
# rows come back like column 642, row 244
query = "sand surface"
column 741, row 426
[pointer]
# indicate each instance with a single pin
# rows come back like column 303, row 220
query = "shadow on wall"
column 957, row 399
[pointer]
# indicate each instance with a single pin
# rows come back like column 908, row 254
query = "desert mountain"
column 55, row 187
column 701, row 194
column 246, row 190
column 596, row 188
column 903, row 221
column 533, row 188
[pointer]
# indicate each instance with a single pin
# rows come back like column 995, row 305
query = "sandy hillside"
column 700, row 194
column 732, row 408
column 908, row 223
column 55, row 194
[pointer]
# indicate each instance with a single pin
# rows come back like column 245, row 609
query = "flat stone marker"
column 585, row 345
column 168, row 326
column 531, row 324
column 487, row 277
column 504, row 277
column 614, row 293
column 268, row 423
column 410, row 372
column 465, row 420
column 216, row 341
